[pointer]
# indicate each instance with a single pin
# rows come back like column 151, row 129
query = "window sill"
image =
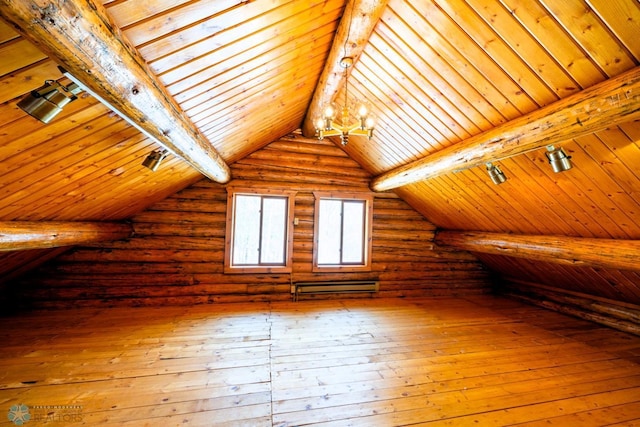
column 256, row 270
column 340, row 268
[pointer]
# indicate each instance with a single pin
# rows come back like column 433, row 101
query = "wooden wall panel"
column 177, row 253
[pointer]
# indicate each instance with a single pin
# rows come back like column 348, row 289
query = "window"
column 342, row 232
column 259, row 233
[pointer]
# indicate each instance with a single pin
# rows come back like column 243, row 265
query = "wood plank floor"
column 351, row 362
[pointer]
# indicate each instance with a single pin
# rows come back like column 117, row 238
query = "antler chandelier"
column 325, row 124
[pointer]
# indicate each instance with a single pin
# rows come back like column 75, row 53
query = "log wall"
column 177, row 253
column 615, row 314
column 594, row 279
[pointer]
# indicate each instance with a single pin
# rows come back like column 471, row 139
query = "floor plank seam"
column 271, row 367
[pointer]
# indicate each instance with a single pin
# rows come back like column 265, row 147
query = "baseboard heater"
column 347, row 286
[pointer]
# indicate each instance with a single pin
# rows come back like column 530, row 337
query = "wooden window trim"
column 368, row 199
column 288, row 267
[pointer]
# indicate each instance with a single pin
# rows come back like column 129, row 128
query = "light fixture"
column 47, row 101
column 496, row 175
column 154, row 159
column 325, row 124
column 558, row 159
column 107, row 104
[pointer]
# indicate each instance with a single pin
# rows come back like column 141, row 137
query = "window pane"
column 246, row 230
column 329, row 219
column 353, row 235
column 274, row 229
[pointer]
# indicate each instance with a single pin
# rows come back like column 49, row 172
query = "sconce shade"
column 153, row 160
column 496, row 175
column 46, row 102
column 558, row 159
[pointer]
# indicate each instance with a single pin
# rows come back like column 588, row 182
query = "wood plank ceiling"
column 436, row 72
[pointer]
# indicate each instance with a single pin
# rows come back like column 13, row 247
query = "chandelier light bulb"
column 363, row 111
column 329, row 112
column 320, row 123
column 370, row 122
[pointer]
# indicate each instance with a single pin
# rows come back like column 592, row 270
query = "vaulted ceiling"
column 440, row 75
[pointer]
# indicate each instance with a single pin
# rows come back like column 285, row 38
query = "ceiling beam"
column 79, row 36
column 356, row 25
column 22, row 235
column 575, row 251
column 612, row 102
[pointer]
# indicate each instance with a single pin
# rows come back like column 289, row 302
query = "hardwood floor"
column 342, row 362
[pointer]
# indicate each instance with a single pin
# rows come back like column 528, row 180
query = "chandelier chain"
column 325, row 126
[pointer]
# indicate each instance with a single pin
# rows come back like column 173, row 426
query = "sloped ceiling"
column 436, row 73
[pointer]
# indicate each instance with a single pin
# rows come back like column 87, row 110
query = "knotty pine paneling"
column 435, row 72
column 228, row 63
column 177, row 253
column 598, row 198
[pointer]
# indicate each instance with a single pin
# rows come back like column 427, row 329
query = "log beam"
column 22, row 235
column 606, row 104
column 575, row 251
column 356, row 25
column 80, row 37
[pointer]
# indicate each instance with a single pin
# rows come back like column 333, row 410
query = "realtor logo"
column 19, row 414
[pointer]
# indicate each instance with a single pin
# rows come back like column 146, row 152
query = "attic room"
column 199, row 225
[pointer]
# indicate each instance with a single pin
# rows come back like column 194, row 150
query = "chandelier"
column 325, row 124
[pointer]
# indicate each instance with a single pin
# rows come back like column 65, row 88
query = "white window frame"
column 287, row 267
column 367, row 198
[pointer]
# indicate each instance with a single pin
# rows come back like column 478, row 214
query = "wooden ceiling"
column 436, row 72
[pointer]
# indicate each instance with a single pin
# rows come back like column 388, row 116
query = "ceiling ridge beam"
column 620, row 254
column 23, row 235
column 80, row 37
column 356, row 25
column 609, row 103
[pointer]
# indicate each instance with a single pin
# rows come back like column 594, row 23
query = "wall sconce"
column 46, row 102
column 496, row 175
column 558, row 159
column 154, row 159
